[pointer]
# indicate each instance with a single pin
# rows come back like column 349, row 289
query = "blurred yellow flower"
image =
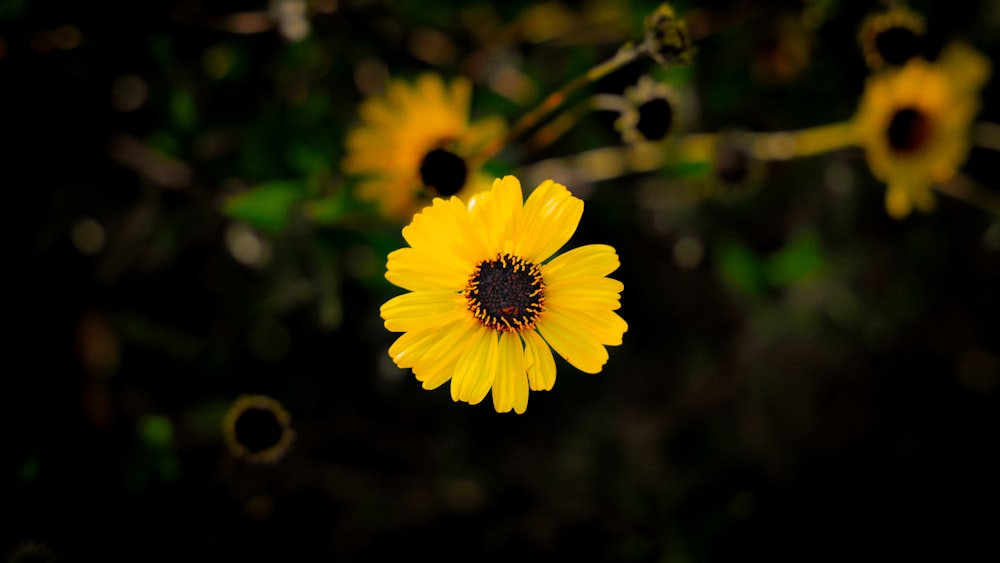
column 487, row 299
column 415, row 143
column 258, row 429
column 913, row 122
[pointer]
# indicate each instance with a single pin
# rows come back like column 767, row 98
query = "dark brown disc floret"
column 506, row 293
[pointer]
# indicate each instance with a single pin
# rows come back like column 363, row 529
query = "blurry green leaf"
column 156, row 431
column 153, row 460
column 267, row 205
column 740, row 267
column 165, row 143
column 688, row 170
column 800, row 258
column 329, row 210
column 307, row 159
column 218, row 61
column 182, row 109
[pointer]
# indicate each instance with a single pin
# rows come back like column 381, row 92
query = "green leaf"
column 183, row 109
column 800, row 258
column 739, row 267
column 328, row 210
column 688, row 170
column 308, row 159
column 266, row 206
column 156, row 431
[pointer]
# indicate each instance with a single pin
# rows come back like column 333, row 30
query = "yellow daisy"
column 258, row 429
column 487, row 299
column 913, row 123
column 891, row 37
column 415, row 143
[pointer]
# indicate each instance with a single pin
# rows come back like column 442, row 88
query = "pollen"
column 506, row 293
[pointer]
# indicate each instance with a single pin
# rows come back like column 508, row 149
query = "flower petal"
column 510, row 386
column 551, row 215
column 481, row 132
column 592, row 260
column 501, row 216
column 407, row 350
column 419, row 270
column 476, row 367
column 445, row 228
column 538, row 362
column 590, row 294
column 604, row 326
column 421, row 309
column 573, row 342
column 437, row 364
column 897, row 201
column 460, row 94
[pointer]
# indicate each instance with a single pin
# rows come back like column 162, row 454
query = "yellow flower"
column 891, row 37
column 415, row 143
column 258, row 429
column 913, row 123
column 487, row 299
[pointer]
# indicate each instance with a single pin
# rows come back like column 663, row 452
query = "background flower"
column 257, row 428
column 892, row 37
column 914, row 124
column 649, row 111
column 416, row 142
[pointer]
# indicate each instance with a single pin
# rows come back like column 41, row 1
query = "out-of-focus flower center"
column 655, row 118
column 908, row 131
column 443, row 171
column 897, row 45
column 258, row 429
column 506, row 293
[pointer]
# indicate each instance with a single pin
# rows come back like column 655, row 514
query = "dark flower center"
column 909, row 130
column 506, row 293
column 655, row 118
column 444, row 171
column 897, row 45
column 258, row 429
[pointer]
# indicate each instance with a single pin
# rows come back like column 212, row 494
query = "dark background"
column 822, row 384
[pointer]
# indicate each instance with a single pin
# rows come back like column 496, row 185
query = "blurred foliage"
column 803, row 377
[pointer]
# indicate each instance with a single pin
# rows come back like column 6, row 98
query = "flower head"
column 891, row 37
column 666, row 37
column 415, row 143
column 487, row 299
column 648, row 112
column 258, row 429
column 913, row 123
